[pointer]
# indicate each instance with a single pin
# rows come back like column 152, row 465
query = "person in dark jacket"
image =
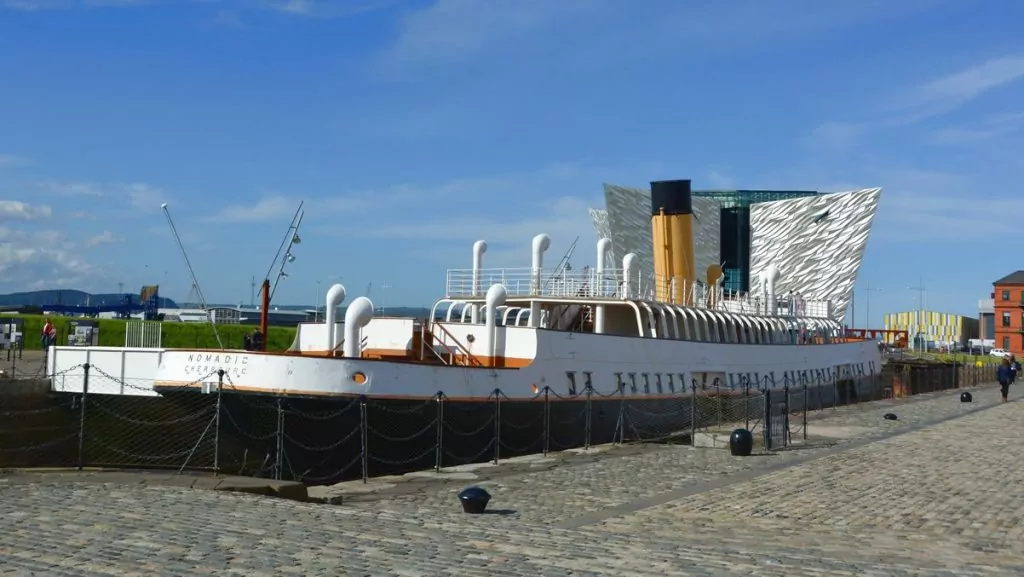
column 1005, row 376
column 1014, row 369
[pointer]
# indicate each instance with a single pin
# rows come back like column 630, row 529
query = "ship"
column 544, row 347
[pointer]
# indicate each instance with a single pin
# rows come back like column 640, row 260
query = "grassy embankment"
column 175, row 335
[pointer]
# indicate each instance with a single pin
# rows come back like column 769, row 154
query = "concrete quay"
column 937, row 492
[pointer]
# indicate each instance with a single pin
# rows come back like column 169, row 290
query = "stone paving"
column 945, row 499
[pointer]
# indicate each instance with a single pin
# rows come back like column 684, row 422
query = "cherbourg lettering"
column 202, row 364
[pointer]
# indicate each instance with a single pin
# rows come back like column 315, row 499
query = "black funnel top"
column 671, row 195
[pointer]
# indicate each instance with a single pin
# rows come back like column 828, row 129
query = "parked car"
column 1002, row 353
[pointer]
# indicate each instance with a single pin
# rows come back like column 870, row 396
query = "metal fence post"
column 497, row 425
column 785, row 414
column 586, row 438
column 835, row 389
column 279, row 433
column 767, row 429
column 694, row 412
column 718, row 400
column 216, row 423
column 547, row 420
column 746, row 403
column 805, row 410
column 81, row 417
column 363, row 438
column 439, row 442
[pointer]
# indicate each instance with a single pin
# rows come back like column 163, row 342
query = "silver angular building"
column 816, row 240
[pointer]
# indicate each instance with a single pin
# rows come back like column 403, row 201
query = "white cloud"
column 837, row 136
column 949, row 92
column 328, row 8
column 266, row 209
column 929, row 99
column 144, row 197
column 65, row 188
column 31, row 257
column 11, row 160
column 105, row 237
column 986, row 129
column 35, row 5
column 441, row 221
column 453, row 30
column 138, row 196
column 922, row 206
column 18, row 210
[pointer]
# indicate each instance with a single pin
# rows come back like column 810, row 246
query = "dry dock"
column 938, row 492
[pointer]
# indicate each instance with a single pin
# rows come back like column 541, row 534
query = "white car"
column 1002, row 353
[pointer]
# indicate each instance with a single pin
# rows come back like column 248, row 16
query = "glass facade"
column 735, row 229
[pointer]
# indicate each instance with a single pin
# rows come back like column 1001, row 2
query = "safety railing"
column 211, row 425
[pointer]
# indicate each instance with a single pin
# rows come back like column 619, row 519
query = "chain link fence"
column 213, row 425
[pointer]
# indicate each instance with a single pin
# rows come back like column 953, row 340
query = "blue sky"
column 412, row 129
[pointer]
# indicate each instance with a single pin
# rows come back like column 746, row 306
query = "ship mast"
column 192, row 273
column 291, row 238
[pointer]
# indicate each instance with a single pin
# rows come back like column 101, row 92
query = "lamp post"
column 867, row 304
column 922, row 293
column 384, row 286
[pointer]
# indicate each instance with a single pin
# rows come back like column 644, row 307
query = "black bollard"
column 741, row 443
column 965, row 397
column 890, row 417
column 474, row 500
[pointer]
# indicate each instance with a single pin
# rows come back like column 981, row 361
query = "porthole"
column 359, row 378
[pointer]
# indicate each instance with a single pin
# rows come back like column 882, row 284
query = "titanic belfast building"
column 815, row 239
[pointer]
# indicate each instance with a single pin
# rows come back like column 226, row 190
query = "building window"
column 1006, row 295
column 1006, row 319
column 1006, row 343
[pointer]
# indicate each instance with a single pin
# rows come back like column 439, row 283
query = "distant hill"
column 80, row 298
column 70, row 297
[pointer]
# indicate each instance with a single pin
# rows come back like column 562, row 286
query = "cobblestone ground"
column 947, row 499
column 556, row 495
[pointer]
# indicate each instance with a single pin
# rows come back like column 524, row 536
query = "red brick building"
column 1009, row 313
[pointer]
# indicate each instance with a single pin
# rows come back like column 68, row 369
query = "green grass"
column 175, row 335
column 955, row 357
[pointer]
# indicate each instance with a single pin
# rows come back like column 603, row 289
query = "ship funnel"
column 714, row 277
column 358, row 315
column 479, row 248
column 769, row 277
column 602, row 255
column 541, row 243
column 672, row 237
column 628, row 272
column 496, row 296
column 335, row 296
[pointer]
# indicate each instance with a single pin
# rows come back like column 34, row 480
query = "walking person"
column 1014, row 369
column 1005, row 376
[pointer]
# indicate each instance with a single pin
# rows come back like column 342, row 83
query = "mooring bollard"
column 474, row 500
column 965, row 397
column 741, row 443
